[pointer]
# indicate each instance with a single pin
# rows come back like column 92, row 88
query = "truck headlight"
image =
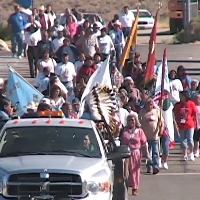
column 95, row 187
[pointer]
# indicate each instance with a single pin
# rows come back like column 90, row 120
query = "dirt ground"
column 106, row 7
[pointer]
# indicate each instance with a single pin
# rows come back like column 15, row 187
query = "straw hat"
column 117, row 22
column 41, row 7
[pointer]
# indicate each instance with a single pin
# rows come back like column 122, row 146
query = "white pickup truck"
column 56, row 158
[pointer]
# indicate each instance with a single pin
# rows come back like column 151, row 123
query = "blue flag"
column 24, row 3
column 20, row 92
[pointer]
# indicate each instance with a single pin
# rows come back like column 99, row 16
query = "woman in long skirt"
column 134, row 137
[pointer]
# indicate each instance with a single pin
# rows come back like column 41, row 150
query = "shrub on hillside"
column 193, row 32
column 4, row 32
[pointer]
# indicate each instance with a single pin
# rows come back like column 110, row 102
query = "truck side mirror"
column 120, row 152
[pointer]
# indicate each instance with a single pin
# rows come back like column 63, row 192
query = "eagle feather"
column 102, row 103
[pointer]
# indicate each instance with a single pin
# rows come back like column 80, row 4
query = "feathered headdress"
column 102, row 105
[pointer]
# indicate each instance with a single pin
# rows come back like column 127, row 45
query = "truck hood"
column 51, row 163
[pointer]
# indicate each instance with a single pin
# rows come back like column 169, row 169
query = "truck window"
column 50, row 140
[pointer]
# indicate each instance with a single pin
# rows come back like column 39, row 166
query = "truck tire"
column 172, row 26
column 180, row 23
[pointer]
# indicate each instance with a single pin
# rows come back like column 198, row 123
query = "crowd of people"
column 63, row 54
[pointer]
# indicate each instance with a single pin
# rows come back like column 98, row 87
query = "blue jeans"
column 186, row 137
column 154, row 154
column 17, row 41
column 165, row 145
column 68, row 85
column 126, row 31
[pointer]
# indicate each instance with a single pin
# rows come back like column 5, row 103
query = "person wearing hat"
column 117, row 37
column 93, row 19
column 65, row 70
column 43, row 18
column 16, row 22
column 76, row 105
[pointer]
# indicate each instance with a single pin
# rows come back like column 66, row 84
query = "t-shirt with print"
column 185, row 114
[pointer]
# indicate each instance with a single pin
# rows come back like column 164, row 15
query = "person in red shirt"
column 185, row 115
column 87, row 69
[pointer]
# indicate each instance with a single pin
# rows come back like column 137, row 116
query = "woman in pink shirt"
column 134, row 137
column 71, row 26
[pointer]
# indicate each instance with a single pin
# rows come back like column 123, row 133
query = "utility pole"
column 187, row 19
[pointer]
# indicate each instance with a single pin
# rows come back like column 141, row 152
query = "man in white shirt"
column 32, row 37
column 106, row 44
column 66, row 72
column 175, row 88
column 126, row 17
column 58, row 41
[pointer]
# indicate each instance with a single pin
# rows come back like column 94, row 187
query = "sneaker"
column 155, row 171
column 165, row 165
column 191, row 157
column 19, row 57
column 185, row 158
column 135, row 192
column 196, row 154
column 160, row 163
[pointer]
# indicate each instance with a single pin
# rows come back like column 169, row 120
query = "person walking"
column 152, row 123
column 17, row 22
column 32, row 37
column 134, row 137
column 185, row 113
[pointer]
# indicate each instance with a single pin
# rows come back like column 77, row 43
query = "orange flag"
column 130, row 41
column 152, row 53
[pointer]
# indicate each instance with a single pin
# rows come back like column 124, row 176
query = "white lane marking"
column 177, row 174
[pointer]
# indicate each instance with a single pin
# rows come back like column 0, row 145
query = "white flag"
column 101, row 76
column 167, row 105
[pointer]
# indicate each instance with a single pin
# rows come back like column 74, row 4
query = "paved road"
column 168, row 185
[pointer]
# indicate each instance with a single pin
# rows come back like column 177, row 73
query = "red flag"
column 163, row 74
column 152, row 53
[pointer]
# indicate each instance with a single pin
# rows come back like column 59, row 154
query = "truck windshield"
column 143, row 14
column 40, row 140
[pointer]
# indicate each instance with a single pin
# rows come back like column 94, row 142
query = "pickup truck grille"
column 142, row 23
column 31, row 184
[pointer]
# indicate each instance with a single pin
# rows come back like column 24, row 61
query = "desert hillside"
column 106, row 7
